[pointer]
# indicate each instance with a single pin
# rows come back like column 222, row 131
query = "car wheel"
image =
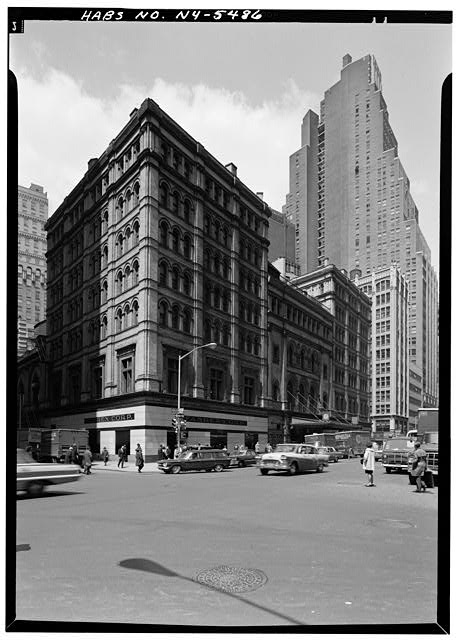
column 320, row 468
column 35, row 489
column 176, row 468
column 264, row 472
column 241, row 463
column 336, row 459
column 293, row 469
column 387, row 470
column 218, row 467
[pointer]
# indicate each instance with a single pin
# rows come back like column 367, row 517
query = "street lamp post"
column 210, row 345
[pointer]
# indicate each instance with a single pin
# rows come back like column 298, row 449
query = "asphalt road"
column 313, row 549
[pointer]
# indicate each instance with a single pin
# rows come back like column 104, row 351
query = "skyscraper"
column 363, row 216
column 31, row 304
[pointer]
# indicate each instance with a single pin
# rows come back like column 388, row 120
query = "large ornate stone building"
column 157, row 252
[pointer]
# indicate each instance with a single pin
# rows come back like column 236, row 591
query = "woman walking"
column 369, row 464
column 419, row 466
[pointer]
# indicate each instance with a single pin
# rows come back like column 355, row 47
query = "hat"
column 417, row 444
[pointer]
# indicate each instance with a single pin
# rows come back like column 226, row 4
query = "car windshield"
column 23, row 457
column 285, row 448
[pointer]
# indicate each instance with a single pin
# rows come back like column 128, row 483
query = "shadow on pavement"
column 143, row 564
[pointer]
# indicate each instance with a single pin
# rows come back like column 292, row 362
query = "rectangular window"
column 216, row 384
column 249, row 395
column 172, row 375
column 97, row 379
column 126, row 374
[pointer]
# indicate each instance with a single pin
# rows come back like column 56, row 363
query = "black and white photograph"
column 233, row 232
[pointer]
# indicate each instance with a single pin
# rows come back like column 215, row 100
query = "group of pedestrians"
column 419, row 466
column 84, row 459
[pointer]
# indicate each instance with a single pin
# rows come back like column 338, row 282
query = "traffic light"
column 175, row 423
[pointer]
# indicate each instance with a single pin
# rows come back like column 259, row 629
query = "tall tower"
column 365, row 215
column 31, row 304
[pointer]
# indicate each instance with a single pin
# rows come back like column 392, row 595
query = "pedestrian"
column 75, row 455
column 120, row 457
column 105, row 456
column 167, row 453
column 139, row 458
column 257, row 447
column 268, row 447
column 87, row 458
column 419, row 466
column 160, row 452
column 368, row 462
column 68, row 455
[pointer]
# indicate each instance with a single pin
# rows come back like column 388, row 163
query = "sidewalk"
column 129, row 467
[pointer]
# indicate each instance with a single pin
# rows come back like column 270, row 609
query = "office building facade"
column 388, row 291
column 32, row 213
column 363, row 216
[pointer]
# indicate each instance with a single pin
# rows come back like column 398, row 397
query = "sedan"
column 243, row 458
column 32, row 477
column 334, row 455
column 293, row 458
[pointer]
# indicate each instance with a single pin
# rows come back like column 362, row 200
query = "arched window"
column 249, row 344
column 207, row 293
column 136, row 194
column 175, row 278
column 105, row 222
column 135, row 273
column 104, row 327
column 175, row 317
column 163, row 233
column 207, row 225
column 163, row 313
column 256, row 346
column 187, row 211
column 128, row 201
column 119, row 282
column 226, row 335
column 135, row 313
column 127, row 283
column 216, row 297
column 119, row 320
column 226, row 268
column 120, row 208
column 176, row 240
column 207, row 259
column 290, row 355
column 187, row 247
column 226, row 301
column 104, row 292
column 127, row 312
column 226, row 237
column 290, row 395
column 187, row 284
column 164, row 195
column 256, row 315
column 127, row 239
column 163, row 273
column 135, row 238
column 120, row 245
column 175, row 202
column 217, row 264
column 187, row 321
column 217, row 231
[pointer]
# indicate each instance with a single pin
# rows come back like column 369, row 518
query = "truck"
column 352, row 443
column 55, row 443
column 321, row 439
column 396, row 453
column 347, row 442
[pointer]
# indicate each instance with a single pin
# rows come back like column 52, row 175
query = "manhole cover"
column 232, row 579
column 394, row 524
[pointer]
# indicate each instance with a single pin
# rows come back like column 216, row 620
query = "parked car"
column 293, row 458
column 200, row 460
column 244, row 458
column 334, row 455
column 33, row 476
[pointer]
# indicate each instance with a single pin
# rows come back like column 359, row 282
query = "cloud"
column 61, row 127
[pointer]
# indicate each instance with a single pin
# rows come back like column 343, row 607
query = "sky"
column 241, row 90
